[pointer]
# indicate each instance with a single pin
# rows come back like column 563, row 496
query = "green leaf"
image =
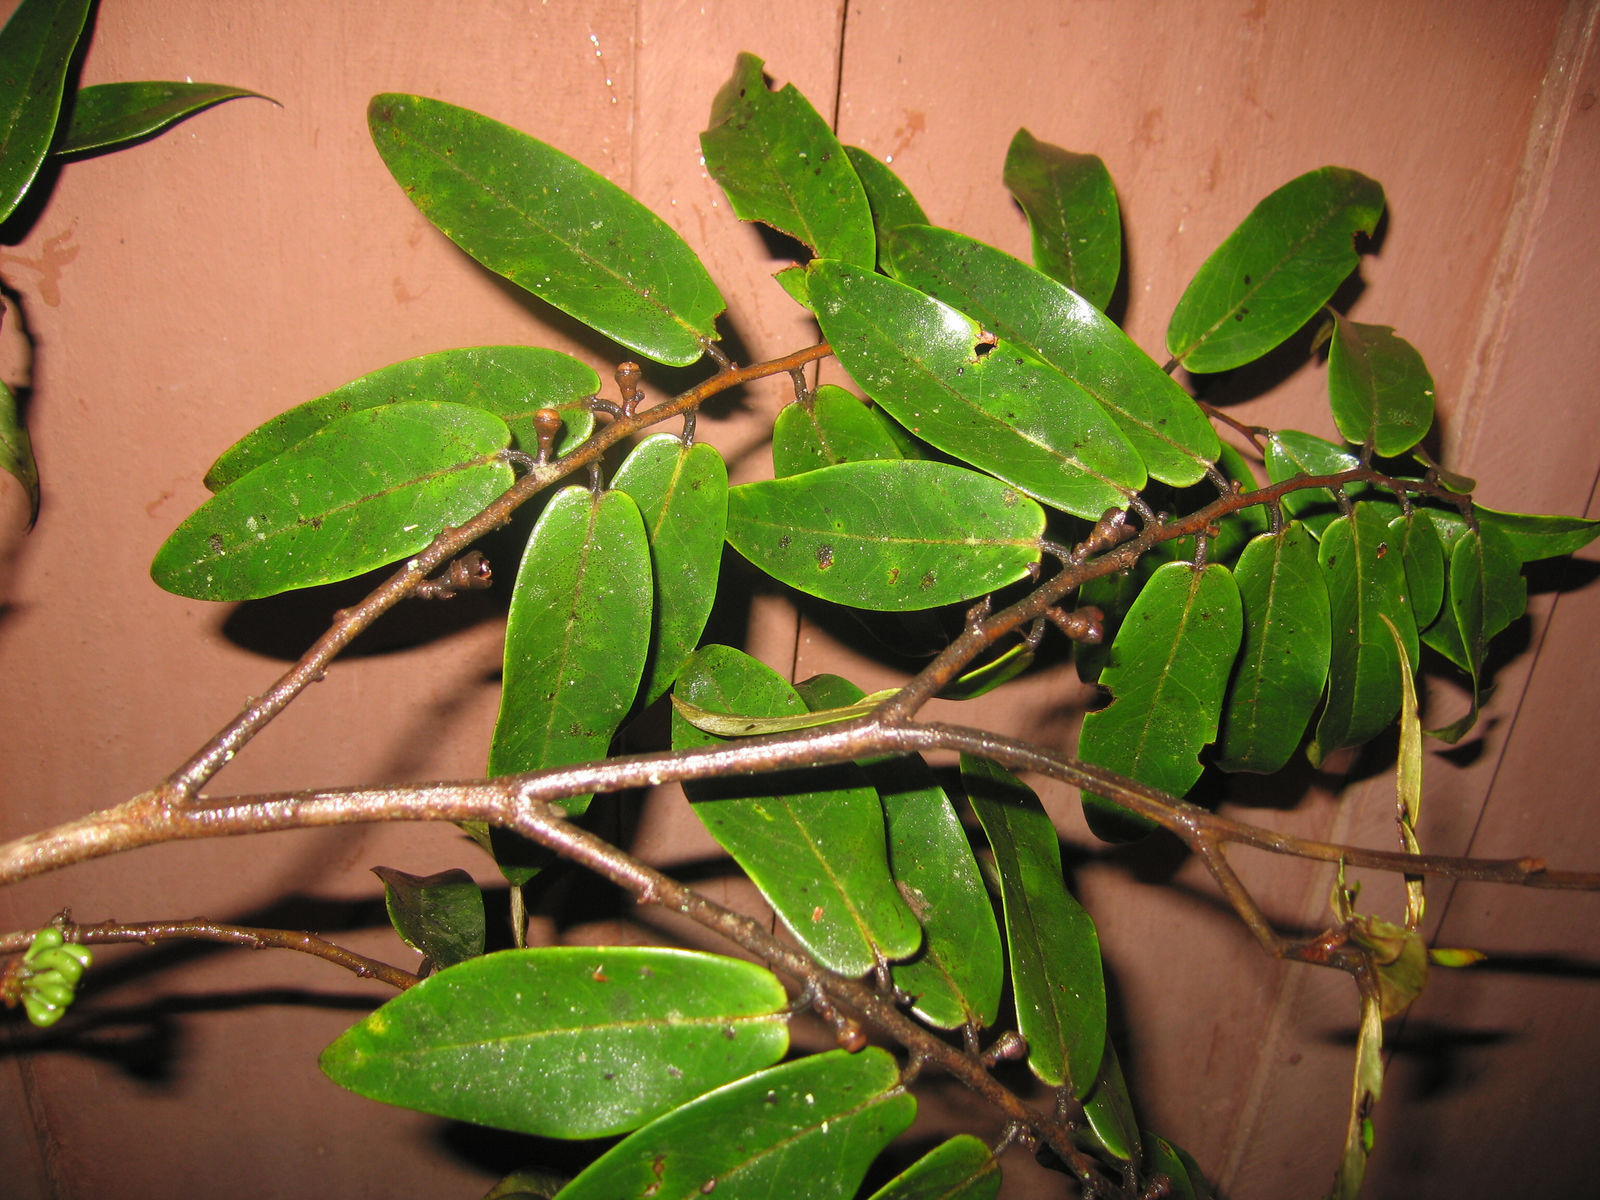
column 1056, row 975
column 1284, row 662
column 110, row 116
column 975, row 397
column 1232, row 534
column 1422, row 552
column 1272, row 273
column 745, row 725
column 527, row 1184
column 1169, row 667
column 16, row 451
column 1063, row 329
column 887, row 535
column 513, row 382
column 807, row 1130
column 1486, row 593
column 1290, row 453
column 891, row 202
column 439, row 916
column 834, row 428
column 576, row 635
column 1072, row 212
column 1535, row 537
column 369, row 488
column 1365, row 584
column 566, row 1041
column 962, row 1168
column 1379, row 388
column 682, row 492
column 812, row 841
column 780, row 163
column 36, row 47
column 1108, row 1110
column 1166, row 1159
column 549, row 224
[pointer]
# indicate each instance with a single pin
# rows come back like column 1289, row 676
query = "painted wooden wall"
column 183, row 291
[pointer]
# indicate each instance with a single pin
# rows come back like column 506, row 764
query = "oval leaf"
column 1379, row 388
column 1290, row 453
column 109, row 116
column 816, row 850
column 1061, row 328
column 549, row 224
column 887, row 535
column 1534, row 537
column 1056, row 975
column 962, row 1168
column 1486, row 593
column 834, row 428
column 370, row 488
column 1275, row 270
column 566, row 1041
column 807, row 1130
column 513, row 382
column 891, row 202
column 935, row 372
column 36, row 46
column 1422, row 553
column 576, row 635
column 682, row 494
column 1072, row 213
column 440, row 916
column 1169, row 666
column 1108, row 1110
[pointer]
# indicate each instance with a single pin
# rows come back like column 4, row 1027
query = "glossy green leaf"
column 807, row 1130
column 549, row 224
column 1169, row 667
column 834, row 428
column 1379, row 388
column 780, row 163
column 1072, row 212
column 1422, row 553
column 1486, row 593
column 1163, row 1158
column 1284, row 661
column 1365, row 583
column 1534, row 537
column 812, row 841
column 1108, row 1111
column 513, row 382
column 576, row 635
column 934, row 371
column 439, row 916
column 1057, row 325
column 1290, row 453
column 109, row 116
column 962, row 1168
column 1056, row 975
column 887, row 535
column 1272, row 273
column 36, row 47
column 566, row 1041
column 890, row 201
column 369, row 488
column 16, row 451
column 682, row 492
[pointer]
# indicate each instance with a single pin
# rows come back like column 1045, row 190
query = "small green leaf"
column 745, row 725
column 1379, row 388
column 576, row 635
column 439, row 916
column 549, row 224
column 891, row 202
column 780, row 163
column 1486, row 593
column 812, row 841
column 834, row 428
column 566, row 1041
column 1108, row 1109
column 962, row 1168
column 1422, row 552
column 36, row 47
column 887, row 535
column 1072, row 212
column 807, row 1130
column 1275, row 270
column 1291, row 452
column 682, row 493
column 527, row 1184
column 369, row 488
column 971, row 395
column 112, row 115
column 1166, row 1159
column 1365, row 584
column 1284, row 661
column 1055, row 953
column 1535, row 537
column 513, row 382
column 16, row 451
column 1063, row 329
column 1169, row 667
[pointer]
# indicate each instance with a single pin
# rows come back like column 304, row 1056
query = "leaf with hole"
column 836, row 427
column 1379, row 387
column 566, row 1041
column 549, row 224
column 1272, row 273
column 110, row 116
column 36, row 47
column 512, row 382
column 979, row 398
column 1072, row 211
column 369, row 488
column 962, row 1168
column 439, row 916
column 887, row 535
